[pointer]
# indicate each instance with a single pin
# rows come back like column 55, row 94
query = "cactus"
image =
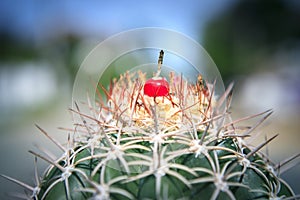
column 159, row 138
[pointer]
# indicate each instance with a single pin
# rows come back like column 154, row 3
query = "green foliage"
column 247, row 33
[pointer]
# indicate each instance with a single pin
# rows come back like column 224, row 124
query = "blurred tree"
column 242, row 36
column 59, row 52
column 15, row 49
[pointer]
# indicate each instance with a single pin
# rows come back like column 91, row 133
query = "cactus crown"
column 161, row 138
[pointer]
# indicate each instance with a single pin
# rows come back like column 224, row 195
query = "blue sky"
column 36, row 20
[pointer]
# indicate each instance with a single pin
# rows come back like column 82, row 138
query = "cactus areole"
column 156, row 87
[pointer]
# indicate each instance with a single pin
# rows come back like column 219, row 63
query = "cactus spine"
column 161, row 146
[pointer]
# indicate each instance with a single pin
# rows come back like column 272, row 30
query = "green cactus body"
column 171, row 147
column 176, row 146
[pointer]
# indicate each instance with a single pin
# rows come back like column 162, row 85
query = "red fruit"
column 156, row 87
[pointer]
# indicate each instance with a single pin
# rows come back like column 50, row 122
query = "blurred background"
column 254, row 43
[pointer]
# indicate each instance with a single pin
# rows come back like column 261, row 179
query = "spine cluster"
column 178, row 145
